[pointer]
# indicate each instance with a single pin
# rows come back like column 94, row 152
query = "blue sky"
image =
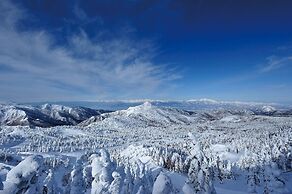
column 54, row 50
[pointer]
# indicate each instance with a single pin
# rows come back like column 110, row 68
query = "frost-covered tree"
column 199, row 176
column 78, row 184
column 274, row 184
column 101, row 172
column 162, row 185
column 116, row 185
column 128, row 181
column 23, row 178
column 252, row 181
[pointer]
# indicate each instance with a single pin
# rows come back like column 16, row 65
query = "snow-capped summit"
column 55, row 107
column 147, row 104
column 144, row 106
column 268, row 109
column 140, row 108
column 46, row 106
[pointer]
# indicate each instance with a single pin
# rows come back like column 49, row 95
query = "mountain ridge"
column 49, row 115
column 46, row 115
column 191, row 104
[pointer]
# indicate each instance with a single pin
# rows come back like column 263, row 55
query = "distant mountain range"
column 152, row 111
column 196, row 104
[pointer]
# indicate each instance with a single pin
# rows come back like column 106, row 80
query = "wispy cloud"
column 85, row 69
column 81, row 18
column 275, row 62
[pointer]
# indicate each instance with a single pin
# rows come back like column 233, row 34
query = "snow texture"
column 148, row 149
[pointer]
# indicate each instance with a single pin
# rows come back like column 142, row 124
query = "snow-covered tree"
column 23, row 178
column 162, row 185
column 200, row 176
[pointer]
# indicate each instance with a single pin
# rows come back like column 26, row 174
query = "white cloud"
column 274, row 62
column 87, row 69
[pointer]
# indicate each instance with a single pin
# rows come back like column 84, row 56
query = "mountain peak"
column 137, row 109
column 147, row 104
column 268, row 109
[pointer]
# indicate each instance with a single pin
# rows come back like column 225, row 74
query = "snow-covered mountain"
column 148, row 114
column 145, row 114
column 148, row 149
column 46, row 115
column 156, row 113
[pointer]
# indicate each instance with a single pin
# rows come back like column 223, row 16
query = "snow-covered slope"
column 148, row 114
column 11, row 115
column 142, row 115
column 45, row 115
column 150, row 149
